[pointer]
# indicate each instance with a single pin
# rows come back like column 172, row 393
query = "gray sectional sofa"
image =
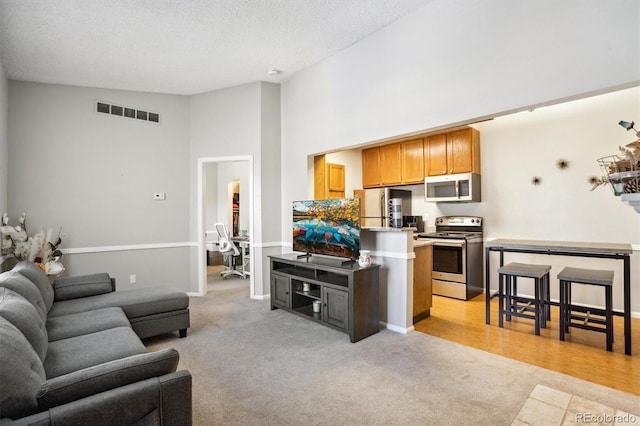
column 71, row 353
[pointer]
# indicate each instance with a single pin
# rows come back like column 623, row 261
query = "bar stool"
column 569, row 312
column 513, row 305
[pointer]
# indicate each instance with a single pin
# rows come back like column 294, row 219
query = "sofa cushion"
column 81, row 323
column 75, row 353
column 23, row 315
column 110, row 375
column 13, row 280
column 21, row 373
column 39, row 278
column 135, row 303
column 82, row 286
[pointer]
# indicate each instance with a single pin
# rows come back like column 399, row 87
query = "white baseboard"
column 396, row 328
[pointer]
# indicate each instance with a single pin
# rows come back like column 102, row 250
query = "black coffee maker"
column 413, row 222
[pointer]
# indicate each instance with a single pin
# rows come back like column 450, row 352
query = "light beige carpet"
column 254, row 366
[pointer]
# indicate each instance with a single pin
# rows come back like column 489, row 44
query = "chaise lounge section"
column 71, row 353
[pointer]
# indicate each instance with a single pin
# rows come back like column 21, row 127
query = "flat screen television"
column 328, row 227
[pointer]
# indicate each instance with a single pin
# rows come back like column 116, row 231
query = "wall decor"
column 562, row 163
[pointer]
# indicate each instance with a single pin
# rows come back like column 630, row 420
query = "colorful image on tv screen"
column 329, row 227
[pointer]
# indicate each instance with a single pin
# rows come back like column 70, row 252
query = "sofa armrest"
column 164, row 400
column 110, row 375
column 82, row 286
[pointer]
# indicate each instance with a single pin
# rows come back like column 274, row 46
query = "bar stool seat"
column 511, row 304
column 581, row 316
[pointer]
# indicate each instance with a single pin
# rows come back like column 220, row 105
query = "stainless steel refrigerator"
column 374, row 206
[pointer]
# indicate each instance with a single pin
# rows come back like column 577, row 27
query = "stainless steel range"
column 457, row 256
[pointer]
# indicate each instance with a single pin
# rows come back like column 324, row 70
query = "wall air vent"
column 127, row 112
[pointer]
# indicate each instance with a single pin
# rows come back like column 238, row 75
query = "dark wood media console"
column 347, row 293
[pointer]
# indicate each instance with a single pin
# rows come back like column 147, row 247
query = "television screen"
column 329, row 227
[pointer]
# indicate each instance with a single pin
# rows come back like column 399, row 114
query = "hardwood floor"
column 582, row 355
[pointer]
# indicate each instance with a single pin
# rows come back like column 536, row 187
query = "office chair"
column 231, row 253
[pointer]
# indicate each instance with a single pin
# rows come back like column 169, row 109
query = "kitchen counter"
column 564, row 246
column 421, row 243
column 389, row 229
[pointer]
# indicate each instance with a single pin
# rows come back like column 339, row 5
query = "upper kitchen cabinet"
column 412, row 161
column 371, row 167
column 381, row 166
column 409, row 161
column 390, row 164
column 453, row 152
column 436, row 155
column 393, row 164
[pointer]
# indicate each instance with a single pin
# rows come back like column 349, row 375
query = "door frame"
column 202, row 265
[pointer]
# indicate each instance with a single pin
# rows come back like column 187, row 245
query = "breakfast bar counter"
column 565, row 248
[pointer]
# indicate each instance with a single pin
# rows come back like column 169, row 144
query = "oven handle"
column 449, row 243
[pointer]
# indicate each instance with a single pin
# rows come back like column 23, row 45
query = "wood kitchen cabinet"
column 422, row 292
column 371, row 168
column 412, row 161
column 328, row 179
column 453, row 152
column 391, row 164
column 381, row 166
column 408, row 162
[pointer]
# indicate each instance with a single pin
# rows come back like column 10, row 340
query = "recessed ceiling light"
column 273, row 71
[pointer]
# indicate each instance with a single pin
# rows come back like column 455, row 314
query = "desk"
column 563, row 248
column 244, row 244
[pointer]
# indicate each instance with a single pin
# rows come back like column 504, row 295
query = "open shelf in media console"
column 313, row 294
column 307, row 310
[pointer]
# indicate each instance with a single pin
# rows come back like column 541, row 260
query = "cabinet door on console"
column 336, row 307
column 281, row 290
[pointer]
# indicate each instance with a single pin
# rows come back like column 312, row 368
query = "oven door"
column 450, row 260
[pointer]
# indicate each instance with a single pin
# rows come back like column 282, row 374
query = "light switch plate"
column 161, row 196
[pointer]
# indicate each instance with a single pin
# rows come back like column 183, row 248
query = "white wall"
column 211, row 196
column 517, row 147
column 240, row 121
column 95, row 175
column 455, row 62
column 4, row 157
column 452, row 62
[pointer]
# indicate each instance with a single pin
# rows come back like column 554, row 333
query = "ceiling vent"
column 127, row 112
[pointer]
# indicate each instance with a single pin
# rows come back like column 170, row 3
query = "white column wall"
column 4, row 159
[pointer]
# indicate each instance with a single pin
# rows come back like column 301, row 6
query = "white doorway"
column 245, row 163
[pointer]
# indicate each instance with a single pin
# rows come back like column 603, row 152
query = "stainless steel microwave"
column 463, row 187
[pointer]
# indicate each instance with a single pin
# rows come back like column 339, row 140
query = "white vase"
column 364, row 260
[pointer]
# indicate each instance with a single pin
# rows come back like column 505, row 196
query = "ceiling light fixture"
column 273, row 71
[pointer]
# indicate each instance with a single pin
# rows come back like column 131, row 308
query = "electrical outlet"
column 132, row 279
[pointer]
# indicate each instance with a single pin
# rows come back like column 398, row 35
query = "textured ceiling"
column 180, row 46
